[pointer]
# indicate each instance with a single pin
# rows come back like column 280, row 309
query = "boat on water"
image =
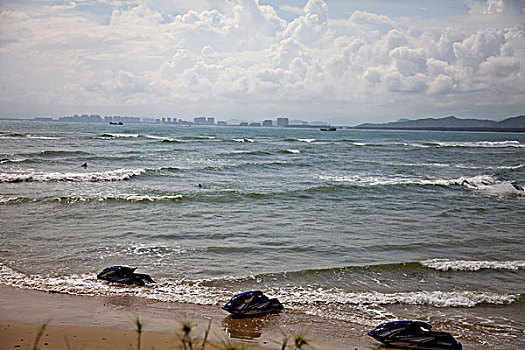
column 329, row 129
column 116, row 123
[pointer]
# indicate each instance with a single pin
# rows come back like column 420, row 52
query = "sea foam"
column 482, row 183
column 111, row 175
column 197, row 292
column 472, row 265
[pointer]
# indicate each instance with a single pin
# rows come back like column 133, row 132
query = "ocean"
column 348, row 225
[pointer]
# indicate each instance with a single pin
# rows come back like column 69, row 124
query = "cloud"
column 513, row 7
column 150, row 58
column 478, row 47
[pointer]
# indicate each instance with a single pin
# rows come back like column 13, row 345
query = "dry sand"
column 81, row 322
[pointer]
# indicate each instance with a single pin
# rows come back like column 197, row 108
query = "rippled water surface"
column 363, row 226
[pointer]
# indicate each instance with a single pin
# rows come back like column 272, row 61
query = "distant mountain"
column 452, row 123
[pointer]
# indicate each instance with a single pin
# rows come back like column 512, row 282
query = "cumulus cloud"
column 150, row 57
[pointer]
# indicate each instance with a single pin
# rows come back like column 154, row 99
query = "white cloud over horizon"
column 247, row 60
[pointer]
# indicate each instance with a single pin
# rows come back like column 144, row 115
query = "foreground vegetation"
column 187, row 340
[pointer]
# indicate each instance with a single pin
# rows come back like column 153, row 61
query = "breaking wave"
column 28, row 136
column 112, row 175
column 292, row 151
column 472, row 265
column 197, row 292
column 244, row 140
column 15, row 200
column 482, row 144
column 430, row 298
column 120, row 197
column 446, row 144
column 120, row 136
column 484, row 183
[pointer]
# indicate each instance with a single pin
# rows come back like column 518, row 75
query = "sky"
column 341, row 61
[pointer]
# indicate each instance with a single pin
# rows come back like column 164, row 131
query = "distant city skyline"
column 198, row 120
column 342, row 62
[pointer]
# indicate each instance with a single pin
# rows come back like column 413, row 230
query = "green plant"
column 139, row 326
column 39, row 335
column 187, row 340
column 300, row 341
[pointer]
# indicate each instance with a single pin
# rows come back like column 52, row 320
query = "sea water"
column 348, row 225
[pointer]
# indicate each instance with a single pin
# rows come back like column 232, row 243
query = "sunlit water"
column 364, row 226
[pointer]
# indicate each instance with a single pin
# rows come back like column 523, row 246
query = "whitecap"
column 112, row 175
column 483, row 144
column 243, row 140
column 37, row 137
column 472, row 265
column 122, row 135
column 483, row 183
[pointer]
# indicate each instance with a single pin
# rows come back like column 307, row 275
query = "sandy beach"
column 81, row 322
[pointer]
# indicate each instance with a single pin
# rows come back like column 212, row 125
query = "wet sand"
column 81, row 322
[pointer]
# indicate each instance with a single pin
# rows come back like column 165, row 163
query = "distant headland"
column 512, row 124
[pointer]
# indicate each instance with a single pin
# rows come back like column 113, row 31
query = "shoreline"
column 86, row 322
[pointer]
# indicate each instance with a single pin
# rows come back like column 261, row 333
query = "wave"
column 171, row 140
column 437, row 299
column 120, row 197
column 29, row 136
column 443, row 144
column 511, row 167
column 483, row 183
column 16, row 200
column 413, row 268
column 296, row 297
column 300, row 140
column 292, row 151
column 243, row 140
column 457, row 144
column 118, row 136
column 15, row 160
column 97, row 198
column 60, row 153
column 112, row 175
column 472, row 265
column 253, row 153
column 246, row 165
column 197, row 137
column 162, row 138
column 38, row 137
column 480, row 144
column 385, row 180
column 106, row 136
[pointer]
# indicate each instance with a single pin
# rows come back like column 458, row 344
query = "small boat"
column 116, row 123
column 329, row 129
column 125, row 275
column 413, row 335
column 252, row 303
